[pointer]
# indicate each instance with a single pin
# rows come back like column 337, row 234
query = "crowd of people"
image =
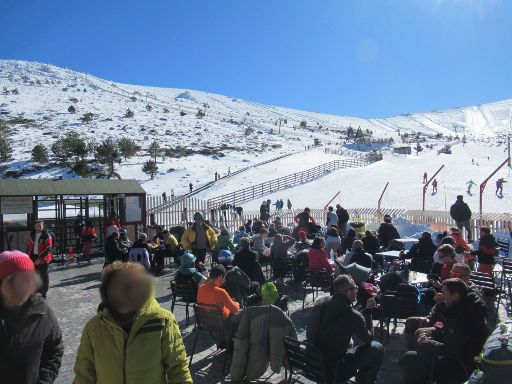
column 133, row 339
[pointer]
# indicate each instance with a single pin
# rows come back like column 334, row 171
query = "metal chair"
column 306, row 360
column 208, row 318
column 397, row 306
column 184, row 292
column 283, row 268
column 316, row 279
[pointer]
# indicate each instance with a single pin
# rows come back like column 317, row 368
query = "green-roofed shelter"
column 65, row 205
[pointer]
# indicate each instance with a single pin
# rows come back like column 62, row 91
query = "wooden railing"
column 244, row 195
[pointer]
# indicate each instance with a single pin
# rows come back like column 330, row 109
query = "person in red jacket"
column 87, row 236
column 318, row 257
column 40, row 252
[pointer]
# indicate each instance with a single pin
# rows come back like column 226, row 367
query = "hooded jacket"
column 151, row 353
column 224, row 242
column 460, row 211
column 334, row 319
column 260, row 341
column 31, row 346
column 463, row 334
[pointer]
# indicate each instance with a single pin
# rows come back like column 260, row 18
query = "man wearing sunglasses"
column 332, row 325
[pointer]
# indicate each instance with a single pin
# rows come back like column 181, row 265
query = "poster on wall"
column 16, row 204
column 133, row 209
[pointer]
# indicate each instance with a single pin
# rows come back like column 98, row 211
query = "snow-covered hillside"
column 234, row 134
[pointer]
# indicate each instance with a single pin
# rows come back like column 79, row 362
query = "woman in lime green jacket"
column 131, row 340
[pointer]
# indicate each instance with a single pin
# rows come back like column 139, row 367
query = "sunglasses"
column 455, row 274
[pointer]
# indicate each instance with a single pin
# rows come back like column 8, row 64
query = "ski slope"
column 240, row 133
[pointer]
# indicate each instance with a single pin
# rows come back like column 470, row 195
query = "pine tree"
column 149, row 107
column 166, row 110
column 154, row 150
column 129, row 113
column 70, row 146
column 303, row 124
column 150, row 168
column 106, row 153
column 5, row 147
column 40, row 154
column 15, row 91
column 200, row 114
column 71, row 109
column 127, row 147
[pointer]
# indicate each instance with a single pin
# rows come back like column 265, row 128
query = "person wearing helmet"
column 199, row 237
column 188, row 272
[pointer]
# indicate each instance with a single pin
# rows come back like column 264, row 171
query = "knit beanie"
column 14, row 261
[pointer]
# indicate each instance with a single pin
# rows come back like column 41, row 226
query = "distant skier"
column 499, row 186
column 289, row 204
column 434, row 186
column 424, row 177
column 172, row 194
column 281, row 204
column 470, row 184
column 473, row 161
column 190, row 186
column 229, row 171
column 164, row 196
column 216, row 176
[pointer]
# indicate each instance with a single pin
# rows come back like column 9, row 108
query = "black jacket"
column 387, row 232
column 362, row 258
column 31, row 346
column 460, row 211
column 371, row 245
column 247, row 261
column 463, row 334
column 346, row 244
column 112, row 250
column 332, row 324
column 421, row 253
column 343, row 215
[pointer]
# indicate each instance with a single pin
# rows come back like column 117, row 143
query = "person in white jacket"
column 332, row 218
column 139, row 252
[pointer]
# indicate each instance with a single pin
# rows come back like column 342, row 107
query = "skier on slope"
column 434, row 186
column 424, row 177
column 499, row 186
column 470, row 184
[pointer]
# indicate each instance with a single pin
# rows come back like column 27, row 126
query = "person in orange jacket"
column 87, row 237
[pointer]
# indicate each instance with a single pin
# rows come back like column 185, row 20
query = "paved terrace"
column 74, row 296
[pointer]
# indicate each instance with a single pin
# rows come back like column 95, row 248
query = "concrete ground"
column 74, row 296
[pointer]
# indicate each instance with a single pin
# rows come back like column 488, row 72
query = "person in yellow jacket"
column 198, row 238
column 131, row 340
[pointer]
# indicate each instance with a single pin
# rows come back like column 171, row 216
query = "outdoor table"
column 406, row 242
column 392, row 255
column 417, row 278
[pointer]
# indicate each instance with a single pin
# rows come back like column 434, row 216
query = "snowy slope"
column 239, row 132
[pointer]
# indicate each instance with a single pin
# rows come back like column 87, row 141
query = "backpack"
column 390, row 281
column 496, row 357
column 269, row 293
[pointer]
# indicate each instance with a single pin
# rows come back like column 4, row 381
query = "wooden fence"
column 244, row 195
column 229, row 218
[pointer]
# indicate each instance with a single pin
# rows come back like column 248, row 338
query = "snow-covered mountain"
column 233, row 132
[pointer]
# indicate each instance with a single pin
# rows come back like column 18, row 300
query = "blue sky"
column 368, row 58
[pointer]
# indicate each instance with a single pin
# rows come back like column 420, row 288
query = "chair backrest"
column 208, row 317
column 503, row 245
column 400, row 305
column 185, row 289
column 305, row 357
column 484, row 282
column 507, row 267
column 320, row 278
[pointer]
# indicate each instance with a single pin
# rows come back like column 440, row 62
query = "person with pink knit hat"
column 31, row 345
